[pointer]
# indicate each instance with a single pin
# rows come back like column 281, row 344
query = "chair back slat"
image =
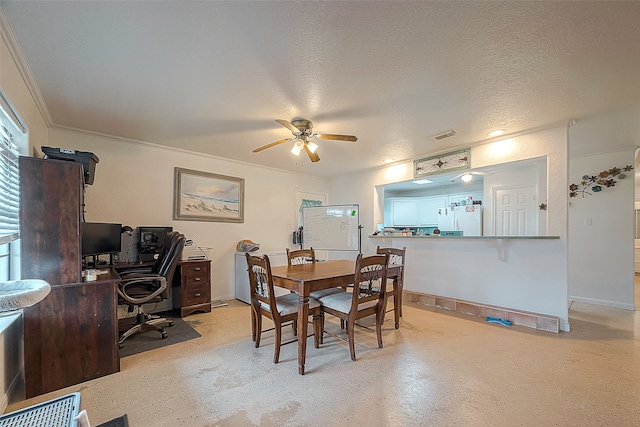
column 261, row 281
column 370, row 279
column 301, row 256
column 396, row 258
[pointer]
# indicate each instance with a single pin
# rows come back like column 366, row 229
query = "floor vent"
column 443, row 135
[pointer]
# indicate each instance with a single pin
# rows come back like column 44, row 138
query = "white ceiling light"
column 389, row 161
column 467, row 177
column 422, row 181
column 312, row 146
column 297, row 148
column 496, row 132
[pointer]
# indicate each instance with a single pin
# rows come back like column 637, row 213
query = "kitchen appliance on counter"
column 467, row 219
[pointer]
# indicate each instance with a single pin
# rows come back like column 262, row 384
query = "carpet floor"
column 116, row 422
column 145, row 341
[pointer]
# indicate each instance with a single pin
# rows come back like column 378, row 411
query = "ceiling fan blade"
column 288, row 125
column 273, row 144
column 458, row 176
column 347, row 138
column 313, row 156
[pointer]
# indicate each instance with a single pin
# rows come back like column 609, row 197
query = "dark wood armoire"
column 70, row 336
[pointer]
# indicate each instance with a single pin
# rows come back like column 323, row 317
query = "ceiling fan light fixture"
column 297, row 148
column 312, row 146
column 467, row 177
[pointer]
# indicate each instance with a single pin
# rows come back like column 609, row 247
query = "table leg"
column 303, row 315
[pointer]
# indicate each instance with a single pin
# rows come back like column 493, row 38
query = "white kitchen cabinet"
column 420, row 211
column 405, row 212
column 428, row 210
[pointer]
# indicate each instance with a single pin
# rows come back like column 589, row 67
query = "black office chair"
column 158, row 264
column 136, row 289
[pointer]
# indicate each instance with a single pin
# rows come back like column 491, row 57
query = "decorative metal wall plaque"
column 446, row 162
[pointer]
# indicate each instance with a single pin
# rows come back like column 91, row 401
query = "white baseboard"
column 11, row 390
column 613, row 304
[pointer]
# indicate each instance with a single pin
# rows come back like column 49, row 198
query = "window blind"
column 13, row 138
column 9, row 185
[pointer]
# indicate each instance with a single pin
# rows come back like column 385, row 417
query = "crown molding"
column 16, row 53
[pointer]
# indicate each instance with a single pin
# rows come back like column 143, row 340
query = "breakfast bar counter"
column 524, row 274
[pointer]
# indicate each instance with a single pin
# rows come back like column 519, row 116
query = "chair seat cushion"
column 288, row 304
column 325, row 292
column 342, row 302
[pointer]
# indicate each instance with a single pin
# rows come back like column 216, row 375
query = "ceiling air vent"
column 443, row 135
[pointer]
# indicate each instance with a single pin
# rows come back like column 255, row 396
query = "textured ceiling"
column 211, row 77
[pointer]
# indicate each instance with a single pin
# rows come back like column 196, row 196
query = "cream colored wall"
column 134, row 186
column 14, row 86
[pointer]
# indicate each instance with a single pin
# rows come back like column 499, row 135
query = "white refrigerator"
column 467, row 219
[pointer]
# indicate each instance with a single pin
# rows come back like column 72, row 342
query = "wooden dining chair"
column 281, row 310
column 366, row 299
column 396, row 264
column 306, row 256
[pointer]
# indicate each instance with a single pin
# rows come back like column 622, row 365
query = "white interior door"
column 515, row 212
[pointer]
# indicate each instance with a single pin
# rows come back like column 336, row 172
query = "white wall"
column 601, row 255
column 547, row 258
column 550, row 144
column 608, row 280
column 14, row 86
column 10, row 356
column 134, row 186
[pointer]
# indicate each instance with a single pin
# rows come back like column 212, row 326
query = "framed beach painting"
column 204, row 196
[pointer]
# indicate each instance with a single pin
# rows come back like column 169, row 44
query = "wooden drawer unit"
column 192, row 287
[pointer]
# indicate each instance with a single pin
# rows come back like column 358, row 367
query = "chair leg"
column 295, row 328
column 352, row 345
column 253, row 324
column 145, row 323
column 379, row 320
column 396, row 309
column 258, row 323
column 394, row 294
column 276, row 352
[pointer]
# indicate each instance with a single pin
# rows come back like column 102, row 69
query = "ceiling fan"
column 303, row 137
column 468, row 176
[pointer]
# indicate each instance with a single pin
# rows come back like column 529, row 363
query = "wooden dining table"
column 306, row 278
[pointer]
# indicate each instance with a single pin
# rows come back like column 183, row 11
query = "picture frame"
column 302, row 198
column 204, row 196
column 441, row 163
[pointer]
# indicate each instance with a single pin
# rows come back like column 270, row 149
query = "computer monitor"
column 100, row 238
column 151, row 241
